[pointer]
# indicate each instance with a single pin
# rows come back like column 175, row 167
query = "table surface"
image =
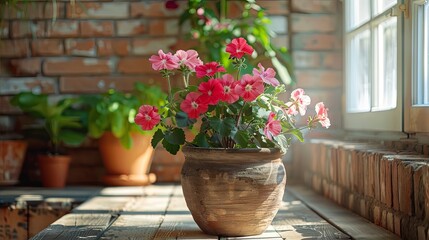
column 160, row 212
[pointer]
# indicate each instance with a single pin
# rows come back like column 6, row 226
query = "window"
column 417, row 90
column 387, row 70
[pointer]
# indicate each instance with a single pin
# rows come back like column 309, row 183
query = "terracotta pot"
column 233, row 192
column 12, row 153
column 54, row 170
column 127, row 166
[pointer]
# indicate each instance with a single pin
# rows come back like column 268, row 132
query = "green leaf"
column 297, row 134
column 281, row 71
column 171, row 148
column 201, row 140
column 126, row 141
column 283, row 142
column 222, row 126
column 242, row 138
column 175, row 136
column 183, row 120
column 70, row 137
column 117, row 123
column 157, row 137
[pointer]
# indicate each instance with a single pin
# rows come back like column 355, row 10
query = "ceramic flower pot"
column 12, row 153
column 127, row 167
column 54, row 170
column 233, row 192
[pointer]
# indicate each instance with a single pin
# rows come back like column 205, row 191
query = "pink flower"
column 209, row 69
column 268, row 76
column 299, row 102
column 238, row 47
column 193, row 106
column 228, row 84
column 322, row 115
column 189, row 58
column 164, row 61
column 249, row 87
column 147, row 117
column 211, row 90
column 273, row 127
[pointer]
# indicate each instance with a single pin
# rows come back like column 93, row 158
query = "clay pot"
column 233, row 192
column 54, row 170
column 12, row 153
column 127, row 167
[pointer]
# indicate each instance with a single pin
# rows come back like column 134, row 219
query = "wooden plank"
column 295, row 220
column 178, row 222
column 103, row 205
column 270, row 233
column 352, row 224
column 76, row 226
column 140, row 218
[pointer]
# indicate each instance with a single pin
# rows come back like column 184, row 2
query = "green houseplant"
column 62, row 125
column 125, row 149
column 233, row 177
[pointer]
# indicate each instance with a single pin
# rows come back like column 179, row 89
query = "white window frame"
column 406, row 117
column 390, row 120
column 416, row 116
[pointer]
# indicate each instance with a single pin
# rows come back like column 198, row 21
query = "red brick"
column 314, row 6
column 80, row 47
column 306, row 41
column 7, row 108
column 156, row 9
column 151, row 46
column 103, row 83
column 275, row 7
column 164, row 27
column 98, row 10
column 332, row 60
column 63, row 28
column 96, row 28
column 14, row 48
column 133, row 65
column 319, row 78
column 184, row 44
column 26, row 66
column 313, row 23
column 76, row 66
column 131, row 27
column 35, row 10
column 419, row 191
column 281, row 41
column 27, row 29
column 36, row 84
column 306, row 59
column 47, row 47
column 4, row 67
column 13, row 222
column 107, row 47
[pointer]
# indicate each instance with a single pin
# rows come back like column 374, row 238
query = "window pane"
column 359, row 12
column 386, row 67
column 421, row 57
column 358, row 80
column 383, row 5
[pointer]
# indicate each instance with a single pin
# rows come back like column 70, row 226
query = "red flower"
column 228, row 84
column 147, row 117
column 193, row 105
column 211, row 90
column 238, row 47
column 273, row 127
column 208, row 69
column 249, row 87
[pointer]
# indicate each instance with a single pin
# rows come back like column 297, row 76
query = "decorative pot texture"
column 233, row 192
column 54, row 170
column 127, row 166
column 12, row 153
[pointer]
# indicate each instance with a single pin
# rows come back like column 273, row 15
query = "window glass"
column 383, row 5
column 386, row 67
column 421, row 49
column 358, row 71
column 359, row 12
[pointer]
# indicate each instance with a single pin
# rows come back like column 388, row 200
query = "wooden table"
column 160, row 212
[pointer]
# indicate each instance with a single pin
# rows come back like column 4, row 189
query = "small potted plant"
column 111, row 120
column 62, row 125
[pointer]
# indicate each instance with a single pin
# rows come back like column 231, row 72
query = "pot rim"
column 234, row 150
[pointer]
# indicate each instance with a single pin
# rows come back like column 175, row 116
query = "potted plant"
column 233, row 177
column 111, row 120
column 62, row 125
